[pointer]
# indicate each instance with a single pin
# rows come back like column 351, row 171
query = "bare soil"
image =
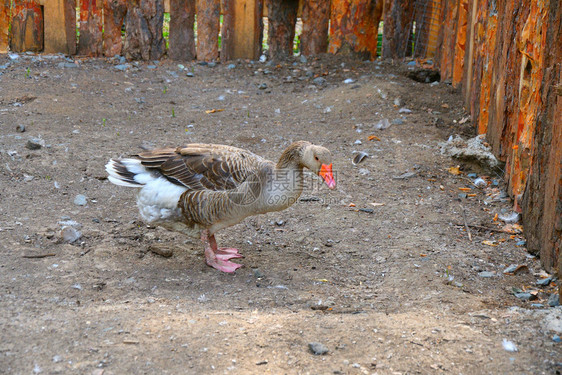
column 393, row 287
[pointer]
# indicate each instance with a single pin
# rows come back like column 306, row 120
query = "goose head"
column 319, row 160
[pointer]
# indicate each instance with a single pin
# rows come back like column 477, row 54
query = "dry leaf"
column 454, row 170
column 213, row 110
column 351, row 205
column 490, row 243
column 373, row 138
column 377, row 204
column 465, row 189
column 445, row 105
column 495, row 218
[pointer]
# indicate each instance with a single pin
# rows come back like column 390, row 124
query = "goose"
column 199, row 189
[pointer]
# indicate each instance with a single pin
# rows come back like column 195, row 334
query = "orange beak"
column 327, row 175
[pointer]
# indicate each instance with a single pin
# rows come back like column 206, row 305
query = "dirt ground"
column 394, row 287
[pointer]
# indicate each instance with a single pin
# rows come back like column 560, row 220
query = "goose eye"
column 316, row 157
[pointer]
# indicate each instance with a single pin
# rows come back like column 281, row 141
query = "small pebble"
column 509, row 345
column 462, row 195
column 80, row 200
column 348, row 81
column 318, row 348
column 258, row 274
column 69, row 234
column 404, row 110
column 319, row 81
column 544, row 282
column 556, row 338
column 303, row 59
column 122, row 67
column 525, row 296
column 397, row 121
column 33, row 144
column 554, row 300
column 537, row 305
column 262, row 86
column 521, row 243
column 20, row 128
column 212, row 64
column 189, row 74
column 472, row 175
column 486, row 274
column 231, row 66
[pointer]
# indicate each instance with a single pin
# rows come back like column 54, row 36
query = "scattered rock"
column 231, row 66
column 262, row 86
column 162, row 250
column 515, row 269
column 398, row 121
column 318, row 348
column 80, row 200
column 486, row 274
column 189, row 74
column 69, row 234
column 509, row 345
column 258, row 274
column 33, row 144
column 473, row 150
column 382, row 124
column 526, row 296
column 554, row 300
column 122, row 67
column 404, row 110
column 405, row 176
column 20, row 128
column 544, row 282
column 303, row 59
column 510, row 218
column 349, row 80
column 320, row 81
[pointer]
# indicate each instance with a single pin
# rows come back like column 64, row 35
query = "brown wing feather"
column 203, row 166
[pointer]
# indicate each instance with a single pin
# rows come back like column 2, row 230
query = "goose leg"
column 216, row 258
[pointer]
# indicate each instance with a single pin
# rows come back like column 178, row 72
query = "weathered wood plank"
column 144, row 22
column 90, row 42
column 488, row 66
column 242, row 29
column 182, row 35
column 354, row 27
column 208, row 24
column 397, row 28
column 542, row 200
column 114, row 12
column 315, row 26
column 4, row 24
column 460, row 42
column 282, row 17
column 59, row 26
column 444, row 58
column 27, row 27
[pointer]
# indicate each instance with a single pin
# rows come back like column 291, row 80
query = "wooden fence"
column 505, row 55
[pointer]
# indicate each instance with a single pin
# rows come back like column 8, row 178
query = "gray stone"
column 33, row 144
column 554, row 300
column 320, row 81
column 69, row 234
column 544, row 282
column 122, row 67
column 486, row 274
column 80, row 200
column 318, row 348
column 525, row 296
column 262, row 86
column 189, row 74
column 231, row 66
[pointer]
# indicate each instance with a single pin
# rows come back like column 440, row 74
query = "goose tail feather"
column 128, row 172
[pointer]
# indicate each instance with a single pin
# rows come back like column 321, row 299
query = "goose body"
column 199, row 189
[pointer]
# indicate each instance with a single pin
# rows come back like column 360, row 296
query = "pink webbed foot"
column 223, row 265
column 226, row 253
column 219, row 258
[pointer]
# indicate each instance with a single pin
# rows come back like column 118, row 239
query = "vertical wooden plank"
column 447, row 37
column 460, row 42
column 397, row 29
column 208, row 23
column 182, row 35
column 531, row 46
column 354, row 27
column 27, row 27
column 60, row 26
column 4, row 25
column 143, row 25
column 114, row 12
column 542, row 199
column 90, row 42
column 315, row 25
column 487, row 69
column 241, row 29
column 282, row 17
